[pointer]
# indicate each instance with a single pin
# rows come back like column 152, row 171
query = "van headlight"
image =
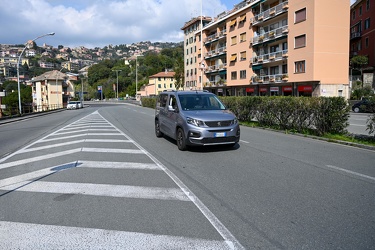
column 235, row 121
column 195, row 122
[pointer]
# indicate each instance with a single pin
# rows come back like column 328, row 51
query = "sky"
column 99, row 23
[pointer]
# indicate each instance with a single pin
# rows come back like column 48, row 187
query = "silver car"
column 195, row 118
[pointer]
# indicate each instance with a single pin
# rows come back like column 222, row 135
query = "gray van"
column 195, row 118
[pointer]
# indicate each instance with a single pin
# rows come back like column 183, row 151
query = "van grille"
column 219, row 123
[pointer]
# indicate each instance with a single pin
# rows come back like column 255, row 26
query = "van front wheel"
column 181, row 141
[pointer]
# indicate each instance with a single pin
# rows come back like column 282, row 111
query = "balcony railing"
column 219, row 83
column 217, row 52
column 270, row 35
column 215, row 68
column 271, row 12
column 216, row 36
column 269, row 79
column 274, row 56
column 355, row 35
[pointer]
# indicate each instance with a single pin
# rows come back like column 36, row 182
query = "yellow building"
column 51, row 90
column 158, row 83
column 277, row 47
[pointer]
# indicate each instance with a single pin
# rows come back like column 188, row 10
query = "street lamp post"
column 136, row 75
column 18, row 68
column 117, row 70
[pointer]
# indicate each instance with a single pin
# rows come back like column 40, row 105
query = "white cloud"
column 96, row 23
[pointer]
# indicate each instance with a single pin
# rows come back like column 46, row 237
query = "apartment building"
column 362, row 35
column 192, row 55
column 51, row 90
column 277, row 47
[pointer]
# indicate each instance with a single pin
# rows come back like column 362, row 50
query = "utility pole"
column 117, row 70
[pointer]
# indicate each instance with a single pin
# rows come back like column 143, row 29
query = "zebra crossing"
column 43, row 185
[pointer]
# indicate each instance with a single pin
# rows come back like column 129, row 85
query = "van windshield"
column 200, row 102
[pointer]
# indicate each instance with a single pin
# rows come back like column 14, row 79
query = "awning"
column 274, row 89
column 263, row 89
column 256, row 67
column 287, row 89
column 233, row 22
column 250, row 90
column 305, row 88
column 242, row 18
column 233, row 58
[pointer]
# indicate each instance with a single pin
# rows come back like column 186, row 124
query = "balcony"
column 269, row 79
column 271, row 57
column 218, row 52
column 270, row 13
column 355, row 35
column 215, row 68
column 215, row 37
column 269, row 36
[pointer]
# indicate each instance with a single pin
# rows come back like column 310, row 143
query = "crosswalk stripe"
column 118, row 165
column 15, row 235
column 113, row 150
column 39, row 158
column 122, row 191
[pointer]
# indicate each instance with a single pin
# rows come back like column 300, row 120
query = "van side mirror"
column 170, row 108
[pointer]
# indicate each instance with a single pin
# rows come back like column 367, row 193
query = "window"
column 285, row 68
column 187, row 51
column 233, row 75
column 243, row 18
column 367, row 23
column 243, row 56
column 242, row 74
column 299, row 41
column 274, row 70
column 233, row 22
column 359, row 46
column 360, row 10
column 367, row 4
column 366, row 42
column 299, row 67
column 159, row 86
column 300, row 15
column 234, row 40
column 353, row 14
column 243, row 37
column 163, row 99
column 233, row 57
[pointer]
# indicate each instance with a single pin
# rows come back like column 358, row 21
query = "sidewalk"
column 6, row 120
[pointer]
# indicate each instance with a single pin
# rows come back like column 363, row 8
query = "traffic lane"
column 358, row 123
column 266, row 194
column 16, row 134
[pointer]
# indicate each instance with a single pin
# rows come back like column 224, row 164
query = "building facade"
column 51, row 90
column 277, row 47
column 362, row 35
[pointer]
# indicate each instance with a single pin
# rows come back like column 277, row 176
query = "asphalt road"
column 273, row 191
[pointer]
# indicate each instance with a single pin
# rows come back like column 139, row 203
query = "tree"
column 179, row 75
column 358, row 62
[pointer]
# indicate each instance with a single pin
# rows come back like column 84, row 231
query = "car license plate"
column 220, row 134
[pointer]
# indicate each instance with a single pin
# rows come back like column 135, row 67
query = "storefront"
column 263, row 91
column 287, row 90
column 274, row 91
column 250, row 91
column 305, row 90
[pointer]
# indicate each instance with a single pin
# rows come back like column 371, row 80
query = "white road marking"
column 351, row 172
column 113, row 150
column 39, row 158
column 244, row 141
column 120, row 191
column 118, row 165
column 83, row 130
column 15, row 235
column 358, row 125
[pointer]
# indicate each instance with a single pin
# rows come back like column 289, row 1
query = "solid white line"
column 51, row 146
column 105, row 140
column 81, row 164
column 15, row 235
column 39, row 158
column 244, row 141
column 351, row 172
column 118, row 165
column 113, row 150
column 82, row 131
column 358, row 125
column 122, row 191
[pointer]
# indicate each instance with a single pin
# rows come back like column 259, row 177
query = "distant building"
column 362, row 35
column 158, row 83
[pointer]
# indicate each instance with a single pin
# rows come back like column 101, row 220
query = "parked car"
column 195, row 118
column 72, row 105
column 364, row 105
